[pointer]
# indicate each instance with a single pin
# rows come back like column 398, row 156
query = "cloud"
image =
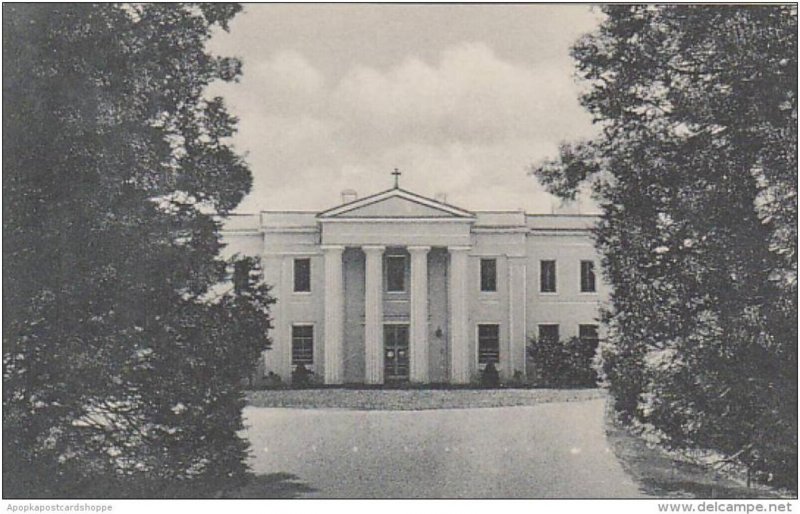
column 467, row 123
column 470, row 95
column 291, row 71
column 283, row 83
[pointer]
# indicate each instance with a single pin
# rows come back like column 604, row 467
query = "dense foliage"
column 124, row 341
column 567, row 363
column 696, row 174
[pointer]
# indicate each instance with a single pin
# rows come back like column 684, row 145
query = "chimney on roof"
column 441, row 197
column 349, row 195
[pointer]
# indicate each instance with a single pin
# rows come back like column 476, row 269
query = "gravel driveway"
column 415, row 399
column 553, row 450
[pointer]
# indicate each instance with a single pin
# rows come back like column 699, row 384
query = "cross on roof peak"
column 396, row 174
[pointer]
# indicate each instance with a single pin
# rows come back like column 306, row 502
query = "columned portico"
column 419, row 313
column 399, row 339
column 459, row 338
column 334, row 313
column 373, row 314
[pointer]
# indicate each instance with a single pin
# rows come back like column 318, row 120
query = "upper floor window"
column 489, row 275
column 587, row 277
column 302, row 275
column 488, row 344
column 302, row 344
column 548, row 333
column 395, row 273
column 547, row 276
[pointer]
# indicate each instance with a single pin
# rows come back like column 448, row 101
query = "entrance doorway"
column 395, row 353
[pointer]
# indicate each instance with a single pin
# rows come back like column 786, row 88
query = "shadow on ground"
column 273, row 485
column 663, row 476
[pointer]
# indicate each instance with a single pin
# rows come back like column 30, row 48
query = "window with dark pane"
column 303, row 344
column 395, row 273
column 547, row 277
column 302, row 275
column 489, row 275
column 588, row 333
column 548, row 333
column 241, row 276
column 488, row 344
column 587, row 277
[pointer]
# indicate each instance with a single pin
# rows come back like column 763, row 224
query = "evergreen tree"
column 123, row 348
column 696, row 174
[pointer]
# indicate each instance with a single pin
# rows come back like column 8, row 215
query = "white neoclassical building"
column 399, row 287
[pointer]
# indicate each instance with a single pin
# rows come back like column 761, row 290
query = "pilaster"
column 459, row 336
column 334, row 313
column 517, row 291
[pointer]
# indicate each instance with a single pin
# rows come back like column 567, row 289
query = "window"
column 488, row 274
column 548, row 332
column 396, row 273
column 547, row 276
column 241, row 276
column 302, row 275
column 588, row 333
column 488, row 344
column 587, row 277
column 302, row 344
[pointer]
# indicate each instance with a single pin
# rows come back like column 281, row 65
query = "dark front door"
column 395, row 352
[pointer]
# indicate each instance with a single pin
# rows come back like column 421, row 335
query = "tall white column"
column 373, row 315
column 334, row 314
column 419, row 313
column 459, row 335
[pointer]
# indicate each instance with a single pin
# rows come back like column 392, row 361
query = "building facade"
column 397, row 287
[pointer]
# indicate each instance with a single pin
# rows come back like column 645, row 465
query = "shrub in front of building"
column 562, row 363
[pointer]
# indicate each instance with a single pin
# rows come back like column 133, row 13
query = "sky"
column 463, row 99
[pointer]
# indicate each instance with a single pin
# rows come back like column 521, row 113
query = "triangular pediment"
column 396, row 207
column 396, row 203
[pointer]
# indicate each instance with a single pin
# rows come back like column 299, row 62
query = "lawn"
column 415, row 399
column 666, row 475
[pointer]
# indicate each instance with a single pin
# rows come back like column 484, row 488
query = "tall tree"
column 696, row 174
column 123, row 350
